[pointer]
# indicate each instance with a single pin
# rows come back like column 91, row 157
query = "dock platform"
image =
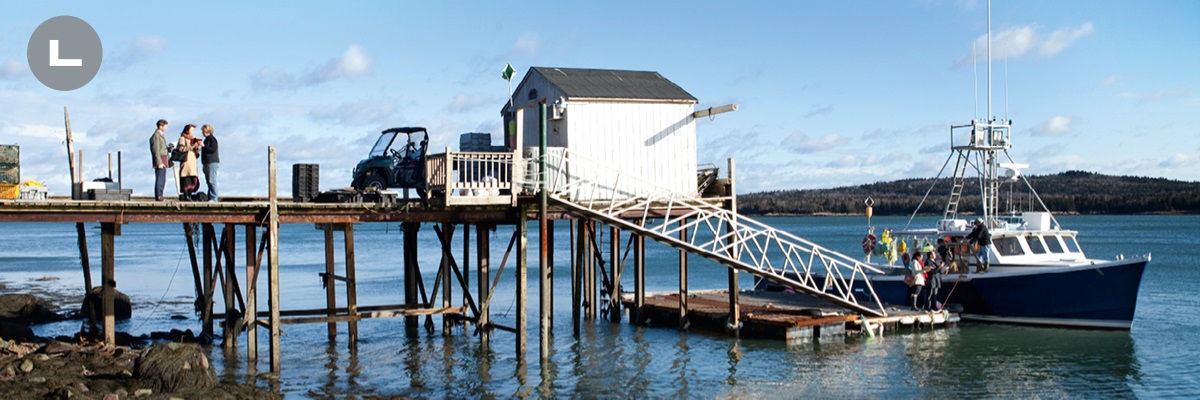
column 782, row 316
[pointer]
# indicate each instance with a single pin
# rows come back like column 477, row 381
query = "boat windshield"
column 1008, row 246
column 1072, row 246
column 1035, row 244
column 1053, row 243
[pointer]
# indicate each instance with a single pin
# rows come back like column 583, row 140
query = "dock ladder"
column 606, row 195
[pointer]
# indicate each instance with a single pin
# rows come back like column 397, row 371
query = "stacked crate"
column 305, row 182
column 10, row 172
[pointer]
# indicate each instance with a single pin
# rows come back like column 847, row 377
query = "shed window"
column 1035, row 244
column 533, row 95
column 1053, row 244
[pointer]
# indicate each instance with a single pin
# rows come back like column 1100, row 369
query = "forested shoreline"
column 1071, row 192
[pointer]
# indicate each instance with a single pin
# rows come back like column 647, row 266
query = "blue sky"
column 830, row 93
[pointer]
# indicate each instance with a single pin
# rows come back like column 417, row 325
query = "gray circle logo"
column 64, row 53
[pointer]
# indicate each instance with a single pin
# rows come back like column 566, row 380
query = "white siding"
column 654, row 142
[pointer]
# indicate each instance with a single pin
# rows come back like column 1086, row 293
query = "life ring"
column 868, row 244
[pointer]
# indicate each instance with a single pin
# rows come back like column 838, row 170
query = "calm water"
column 1158, row 358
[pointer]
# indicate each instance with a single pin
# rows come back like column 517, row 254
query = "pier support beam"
column 351, row 286
column 108, row 232
column 409, row 230
column 735, row 323
column 614, row 264
column 273, row 262
column 683, row 278
column 447, row 273
column 522, row 281
column 329, row 282
column 576, row 275
column 638, row 315
column 482, row 255
column 251, row 315
column 229, row 329
column 207, row 238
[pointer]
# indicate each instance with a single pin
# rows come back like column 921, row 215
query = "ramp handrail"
column 608, row 195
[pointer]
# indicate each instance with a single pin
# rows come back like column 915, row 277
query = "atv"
column 393, row 163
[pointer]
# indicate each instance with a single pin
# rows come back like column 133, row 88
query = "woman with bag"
column 186, row 151
column 917, row 271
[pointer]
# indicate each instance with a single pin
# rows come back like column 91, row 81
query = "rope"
column 164, row 295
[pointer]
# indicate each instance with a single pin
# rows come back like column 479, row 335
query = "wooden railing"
column 468, row 178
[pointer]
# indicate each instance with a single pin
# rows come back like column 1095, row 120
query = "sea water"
column 1157, row 358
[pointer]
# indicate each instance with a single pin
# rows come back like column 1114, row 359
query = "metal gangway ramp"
column 606, row 195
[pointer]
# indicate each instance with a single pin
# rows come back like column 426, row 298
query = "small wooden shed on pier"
column 635, row 121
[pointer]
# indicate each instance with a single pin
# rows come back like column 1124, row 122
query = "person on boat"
column 917, row 270
column 982, row 237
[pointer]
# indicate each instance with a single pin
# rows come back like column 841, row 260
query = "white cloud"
column 1064, row 38
column 352, row 63
column 527, row 45
column 1157, row 95
column 1019, row 41
column 801, row 143
column 12, row 69
column 1179, row 161
column 818, row 109
column 1109, row 81
column 135, row 51
column 1055, row 126
column 464, row 102
column 356, row 113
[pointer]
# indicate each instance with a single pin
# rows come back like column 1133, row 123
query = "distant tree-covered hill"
column 1067, row 192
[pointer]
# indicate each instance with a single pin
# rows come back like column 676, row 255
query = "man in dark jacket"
column 159, row 158
column 981, row 236
column 211, row 160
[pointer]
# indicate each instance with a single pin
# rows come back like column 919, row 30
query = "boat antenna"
column 989, row 60
column 975, row 72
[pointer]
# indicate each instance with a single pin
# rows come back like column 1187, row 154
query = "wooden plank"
column 273, row 262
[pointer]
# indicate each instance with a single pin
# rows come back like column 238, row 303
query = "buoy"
column 870, row 212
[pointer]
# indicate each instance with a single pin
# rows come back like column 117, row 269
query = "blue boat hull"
column 1102, row 296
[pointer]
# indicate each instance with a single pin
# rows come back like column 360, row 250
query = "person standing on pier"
column 159, row 158
column 189, row 180
column 211, row 159
column 917, row 270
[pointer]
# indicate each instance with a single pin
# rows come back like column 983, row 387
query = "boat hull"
column 1100, row 296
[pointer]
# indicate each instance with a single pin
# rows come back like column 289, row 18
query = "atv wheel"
column 374, row 183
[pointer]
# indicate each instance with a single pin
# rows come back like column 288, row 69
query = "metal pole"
column 735, row 323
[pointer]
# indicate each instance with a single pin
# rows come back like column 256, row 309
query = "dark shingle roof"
column 613, row 84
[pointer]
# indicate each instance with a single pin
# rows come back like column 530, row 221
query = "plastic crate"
column 9, row 191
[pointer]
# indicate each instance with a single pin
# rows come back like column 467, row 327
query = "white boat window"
column 1008, row 246
column 1071, row 244
column 1053, row 244
column 1035, row 244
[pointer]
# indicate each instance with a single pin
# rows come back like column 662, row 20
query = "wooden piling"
column 482, row 255
column 330, row 283
column 409, row 231
column 81, row 233
column 251, row 315
column 614, row 264
column 735, row 323
column 576, row 276
column 447, row 273
column 230, row 328
column 639, row 279
column 206, row 310
column 351, row 287
column 108, row 231
column 522, row 281
column 683, row 277
column 273, row 262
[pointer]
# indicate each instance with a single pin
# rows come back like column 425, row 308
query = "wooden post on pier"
column 198, row 281
column 614, row 264
column 108, row 231
column 639, row 279
column 206, row 310
column 482, row 255
column 409, row 231
column 230, row 328
column 683, row 277
column 351, row 286
column 589, row 271
column 576, row 276
column 466, row 263
column 273, row 261
column 330, row 283
column 522, row 280
column 447, row 272
column 735, row 323
column 251, row 315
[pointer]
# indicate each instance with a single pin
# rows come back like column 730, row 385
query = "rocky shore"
column 80, row 367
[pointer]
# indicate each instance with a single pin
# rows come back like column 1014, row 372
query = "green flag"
column 508, row 72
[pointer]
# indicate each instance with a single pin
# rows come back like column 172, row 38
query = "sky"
column 830, row 93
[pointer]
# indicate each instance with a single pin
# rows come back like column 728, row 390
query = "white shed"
column 637, row 122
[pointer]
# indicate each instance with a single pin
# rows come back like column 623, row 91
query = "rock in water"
column 122, row 309
column 13, row 331
column 175, row 367
column 26, row 309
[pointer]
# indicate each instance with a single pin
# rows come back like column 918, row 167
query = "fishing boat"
column 1037, row 275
